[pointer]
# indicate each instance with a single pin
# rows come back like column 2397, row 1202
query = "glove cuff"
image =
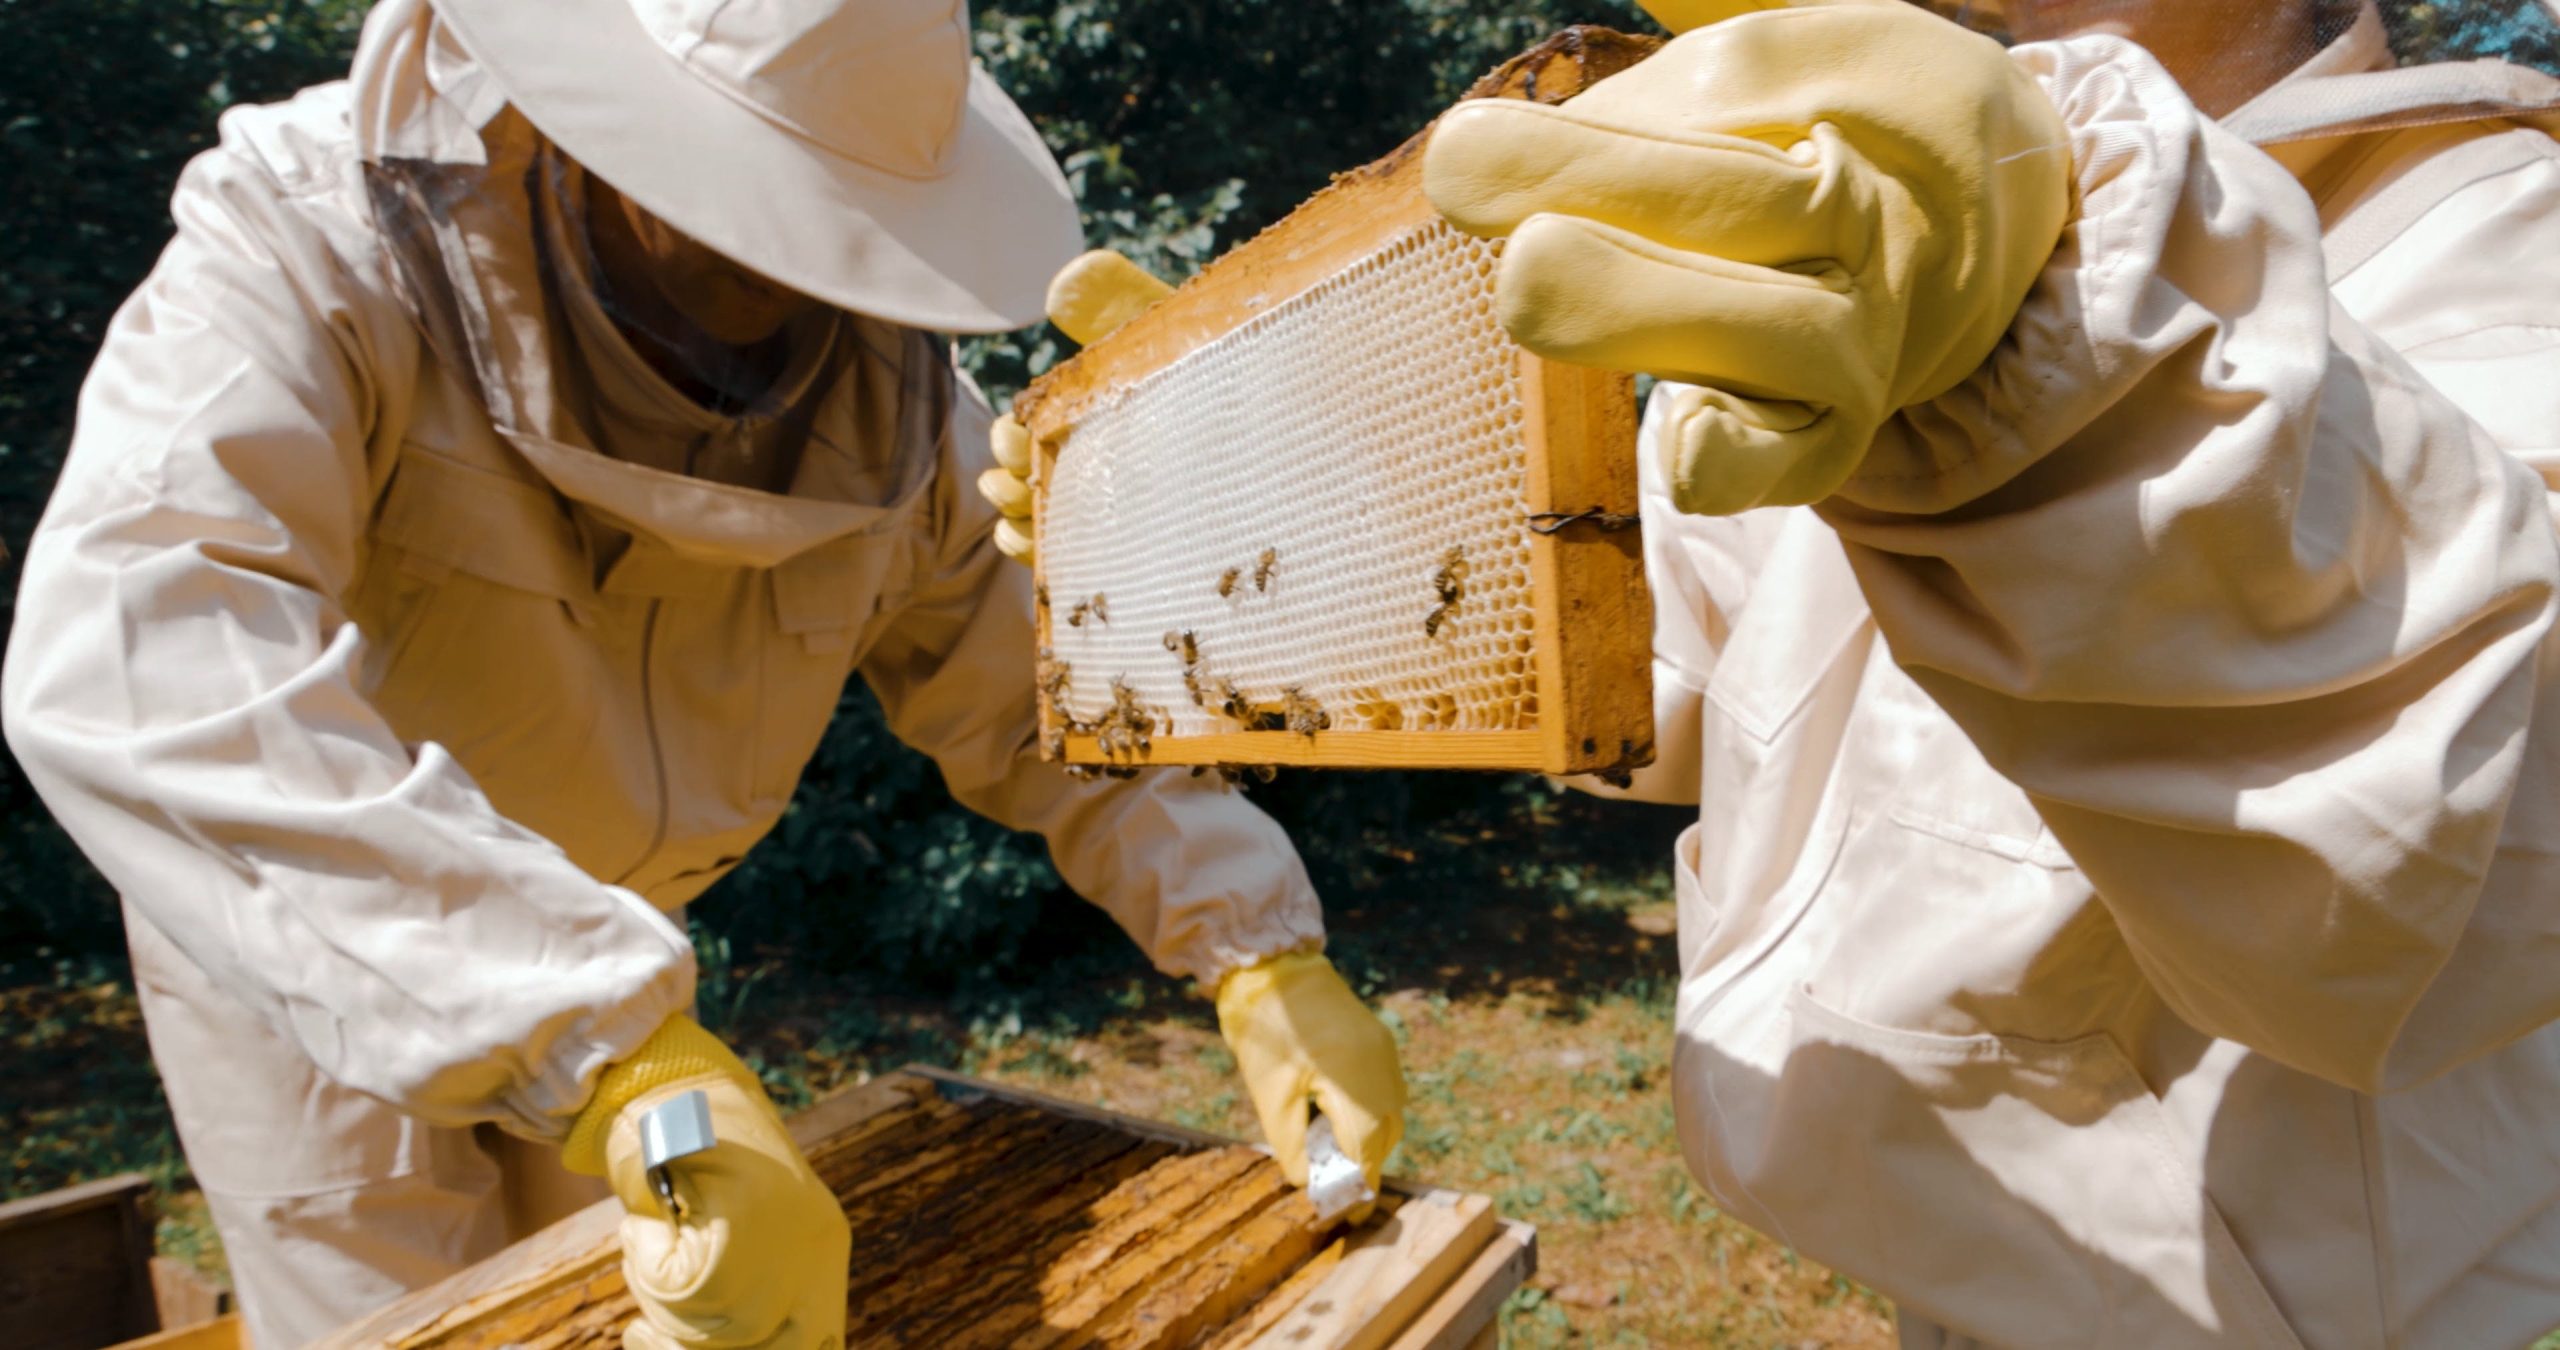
column 1244, row 984
column 679, row 1049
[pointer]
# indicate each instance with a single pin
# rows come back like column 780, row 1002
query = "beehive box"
column 988, row 1217
column 1315, row 507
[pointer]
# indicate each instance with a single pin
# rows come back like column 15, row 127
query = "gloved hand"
column 1299, row 1033
column 756, row 1254
column 1089, row 297
column 1820, row 213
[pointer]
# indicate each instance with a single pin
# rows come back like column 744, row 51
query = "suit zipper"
column 657, row 751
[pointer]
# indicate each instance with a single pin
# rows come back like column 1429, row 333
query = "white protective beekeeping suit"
column 2124, row 908
column 403, row 649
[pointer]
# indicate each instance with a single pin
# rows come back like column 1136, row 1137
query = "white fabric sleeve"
column 181, row 688
column 1201, row 878
column 2256, row 617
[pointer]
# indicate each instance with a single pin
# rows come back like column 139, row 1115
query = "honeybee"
column 1040, row 594
column 1262, row 568
column 1191, row 686
column 1231, row 701
column 1126, row 729
column 1450, row 582
column 1302, row 714
column 1075, row 617
column 1190, row 648
column 1227, row 581
column 1101, row 608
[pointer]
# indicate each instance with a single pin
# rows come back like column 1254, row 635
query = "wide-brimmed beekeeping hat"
column 849, row 149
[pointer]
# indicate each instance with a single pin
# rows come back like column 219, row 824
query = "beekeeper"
column 2105, row 578
column 468, row 531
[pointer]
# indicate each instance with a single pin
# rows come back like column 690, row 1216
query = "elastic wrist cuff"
column 676, row 1051
column 1215, row 987
column 1270, row 970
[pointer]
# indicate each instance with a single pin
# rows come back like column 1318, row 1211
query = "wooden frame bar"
column 1593, row 616
column 1429, row 1271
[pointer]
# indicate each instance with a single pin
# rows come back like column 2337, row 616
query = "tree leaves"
column 1183, row 126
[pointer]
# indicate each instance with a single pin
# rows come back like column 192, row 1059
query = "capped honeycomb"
column 1316, row 521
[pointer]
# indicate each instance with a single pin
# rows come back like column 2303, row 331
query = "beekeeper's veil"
column 2349, row 65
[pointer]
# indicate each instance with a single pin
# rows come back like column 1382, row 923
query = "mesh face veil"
column 2279, row 37
column 2229, row 55
column 578, row 320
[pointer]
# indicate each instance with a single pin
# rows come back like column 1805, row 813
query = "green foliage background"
column 1184, row 125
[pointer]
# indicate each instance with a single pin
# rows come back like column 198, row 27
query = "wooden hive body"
column 985, row 1217
column 1315, row 509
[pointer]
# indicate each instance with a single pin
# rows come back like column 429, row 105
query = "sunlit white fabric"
column 2122, row 894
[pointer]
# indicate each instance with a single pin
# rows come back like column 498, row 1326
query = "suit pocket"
column 451, row 516
column 829, row 606
column 483, row 622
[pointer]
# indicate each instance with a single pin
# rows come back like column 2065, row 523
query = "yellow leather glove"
column 755, row 1253
column 1008, row 486
column 1300, row 1034
column 1100, row 291
column 1820, row 213
column 1089, row 297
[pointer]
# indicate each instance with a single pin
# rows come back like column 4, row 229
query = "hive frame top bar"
column 1592, row 639
column 1305, row 248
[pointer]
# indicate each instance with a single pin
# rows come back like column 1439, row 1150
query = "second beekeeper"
column 2105, row 582
column 468, row 532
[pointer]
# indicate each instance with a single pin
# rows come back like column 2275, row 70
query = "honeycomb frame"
column 1512, row 648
